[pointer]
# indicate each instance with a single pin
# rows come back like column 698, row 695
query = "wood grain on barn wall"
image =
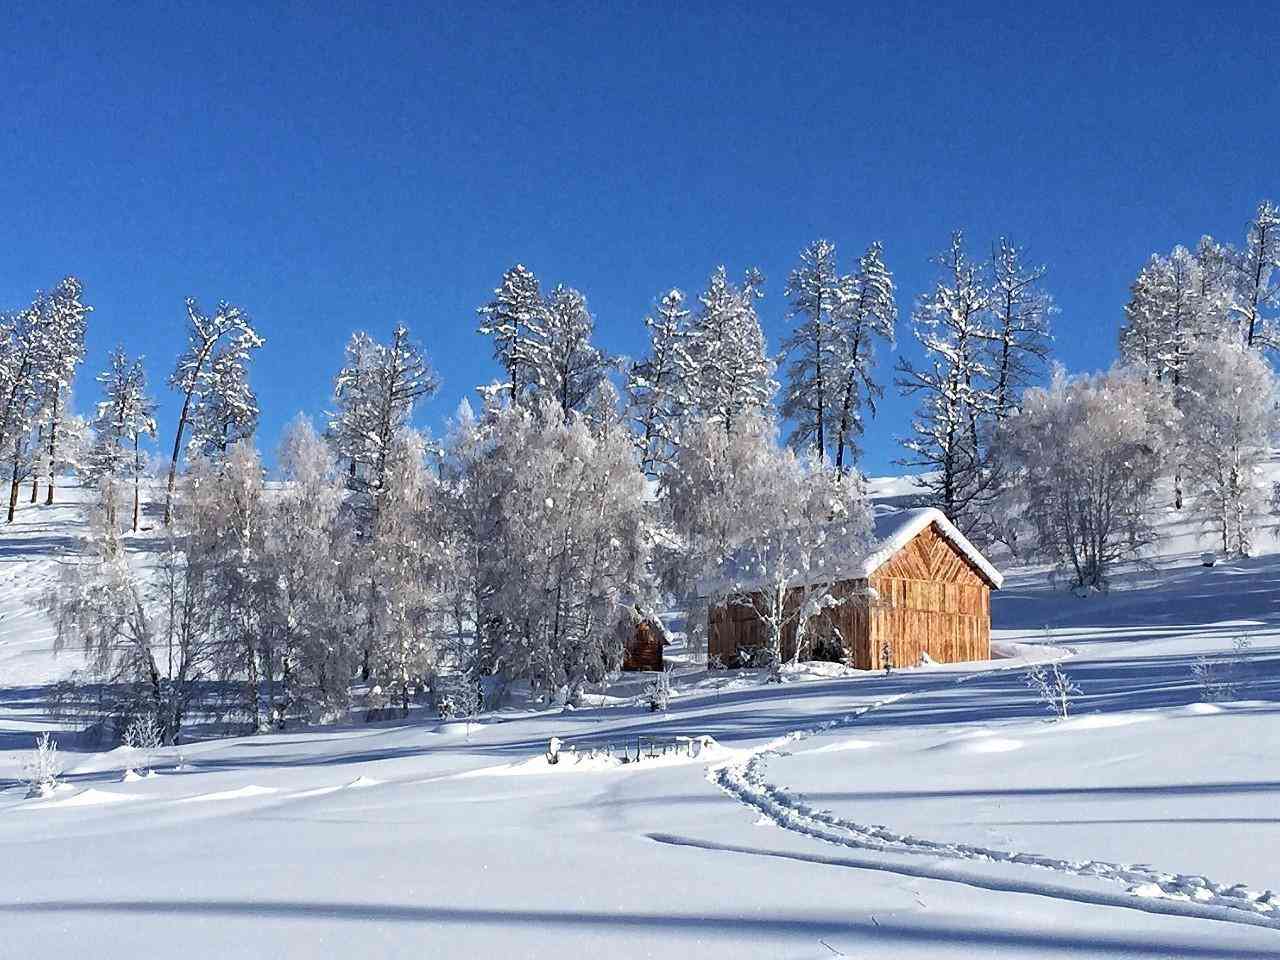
column 931, row 598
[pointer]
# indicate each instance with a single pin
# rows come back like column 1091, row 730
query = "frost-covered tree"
column 123, row 417
column 228, row 512
column 730, row 374
column 756, row 524
column 1258, row 290
column 516, row 320
column 570, row 366
column 867, row 313
column 570, row 543
column 1227, row 426
column 225, row 409
column 1085, row 454
column 374, row 396
column 811, row 395
column 1017, row 337
column 227, row 333
column 405, row 576
column 656, row 385
column 951, row 325
column 306, row 623
column 40, row 348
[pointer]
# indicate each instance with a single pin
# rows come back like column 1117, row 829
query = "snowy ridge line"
column 1190, row 895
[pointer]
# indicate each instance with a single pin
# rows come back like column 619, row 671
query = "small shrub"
column 42, row 768
column 657, row 692
column 143, row 737
column 1053, row 687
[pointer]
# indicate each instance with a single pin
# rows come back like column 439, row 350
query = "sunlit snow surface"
column 932, row 813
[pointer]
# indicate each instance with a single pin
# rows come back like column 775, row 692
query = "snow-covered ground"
column 932, row 813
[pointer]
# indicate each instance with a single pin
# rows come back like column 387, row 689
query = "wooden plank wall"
column 644, row 650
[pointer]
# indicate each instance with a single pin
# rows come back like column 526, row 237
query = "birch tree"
column 1228, row 423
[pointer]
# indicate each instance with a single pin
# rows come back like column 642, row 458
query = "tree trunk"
column 53, row 440
column 173, row 462
column 13, row 485
column 137, row 469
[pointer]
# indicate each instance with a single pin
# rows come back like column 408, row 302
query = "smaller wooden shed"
column 643, row 637
column 921, row 588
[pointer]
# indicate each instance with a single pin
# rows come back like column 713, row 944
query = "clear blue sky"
column 334, row 171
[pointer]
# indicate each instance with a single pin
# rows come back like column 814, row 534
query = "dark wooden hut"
column 643, row 638
column 921, row 589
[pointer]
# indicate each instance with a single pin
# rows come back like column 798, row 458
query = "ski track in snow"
column 1149, row 889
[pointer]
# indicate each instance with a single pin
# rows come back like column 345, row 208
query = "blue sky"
column 335, row 171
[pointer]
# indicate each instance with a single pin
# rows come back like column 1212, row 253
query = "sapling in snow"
column 657, row 691
column 42, row 767
column 143, row 737
column 1053, row 687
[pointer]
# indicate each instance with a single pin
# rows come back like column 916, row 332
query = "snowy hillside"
column 935, row 812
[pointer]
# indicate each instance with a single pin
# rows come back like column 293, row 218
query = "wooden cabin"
column 643, row 638
column 921, row 588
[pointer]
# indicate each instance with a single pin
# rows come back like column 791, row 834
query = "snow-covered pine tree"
column 655, row 385
column 227, row 331
column 1218, row 286
column 1017, row 340
column 731, row 375
column 867, row 313
column 569, row 365
column 949, row 323
column 1228, row 423
column 810, row 397
column 516, row 320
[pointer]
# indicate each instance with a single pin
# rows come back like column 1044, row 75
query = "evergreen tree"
column 1017, row 341
column 571, row 367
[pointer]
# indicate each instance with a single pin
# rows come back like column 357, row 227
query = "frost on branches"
column 758, row 525
column 1084, row 455
column 831, row 350
column 218, row 348
column 656, row 388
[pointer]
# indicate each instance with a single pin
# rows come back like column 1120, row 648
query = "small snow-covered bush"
column 657, row 692
column 1053, row 687
column 143, row 737
column 1212, row 680
column 42, row 767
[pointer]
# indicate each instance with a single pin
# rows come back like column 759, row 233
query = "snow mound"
column 846, row 745
column 252, row 790
column 86, row 798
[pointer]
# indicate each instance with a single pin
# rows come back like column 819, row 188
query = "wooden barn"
column 921, row 588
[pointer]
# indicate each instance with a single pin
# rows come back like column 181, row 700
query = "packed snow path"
column 1148, row 889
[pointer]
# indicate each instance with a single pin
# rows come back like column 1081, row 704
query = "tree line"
column 583, row 492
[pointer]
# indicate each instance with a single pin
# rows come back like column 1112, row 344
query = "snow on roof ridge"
column 895, row 530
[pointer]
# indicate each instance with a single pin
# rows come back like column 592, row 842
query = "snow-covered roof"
column 893, row 531
column 845, row 555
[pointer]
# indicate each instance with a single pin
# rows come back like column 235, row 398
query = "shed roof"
column 849, row 559
column 893, row 531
